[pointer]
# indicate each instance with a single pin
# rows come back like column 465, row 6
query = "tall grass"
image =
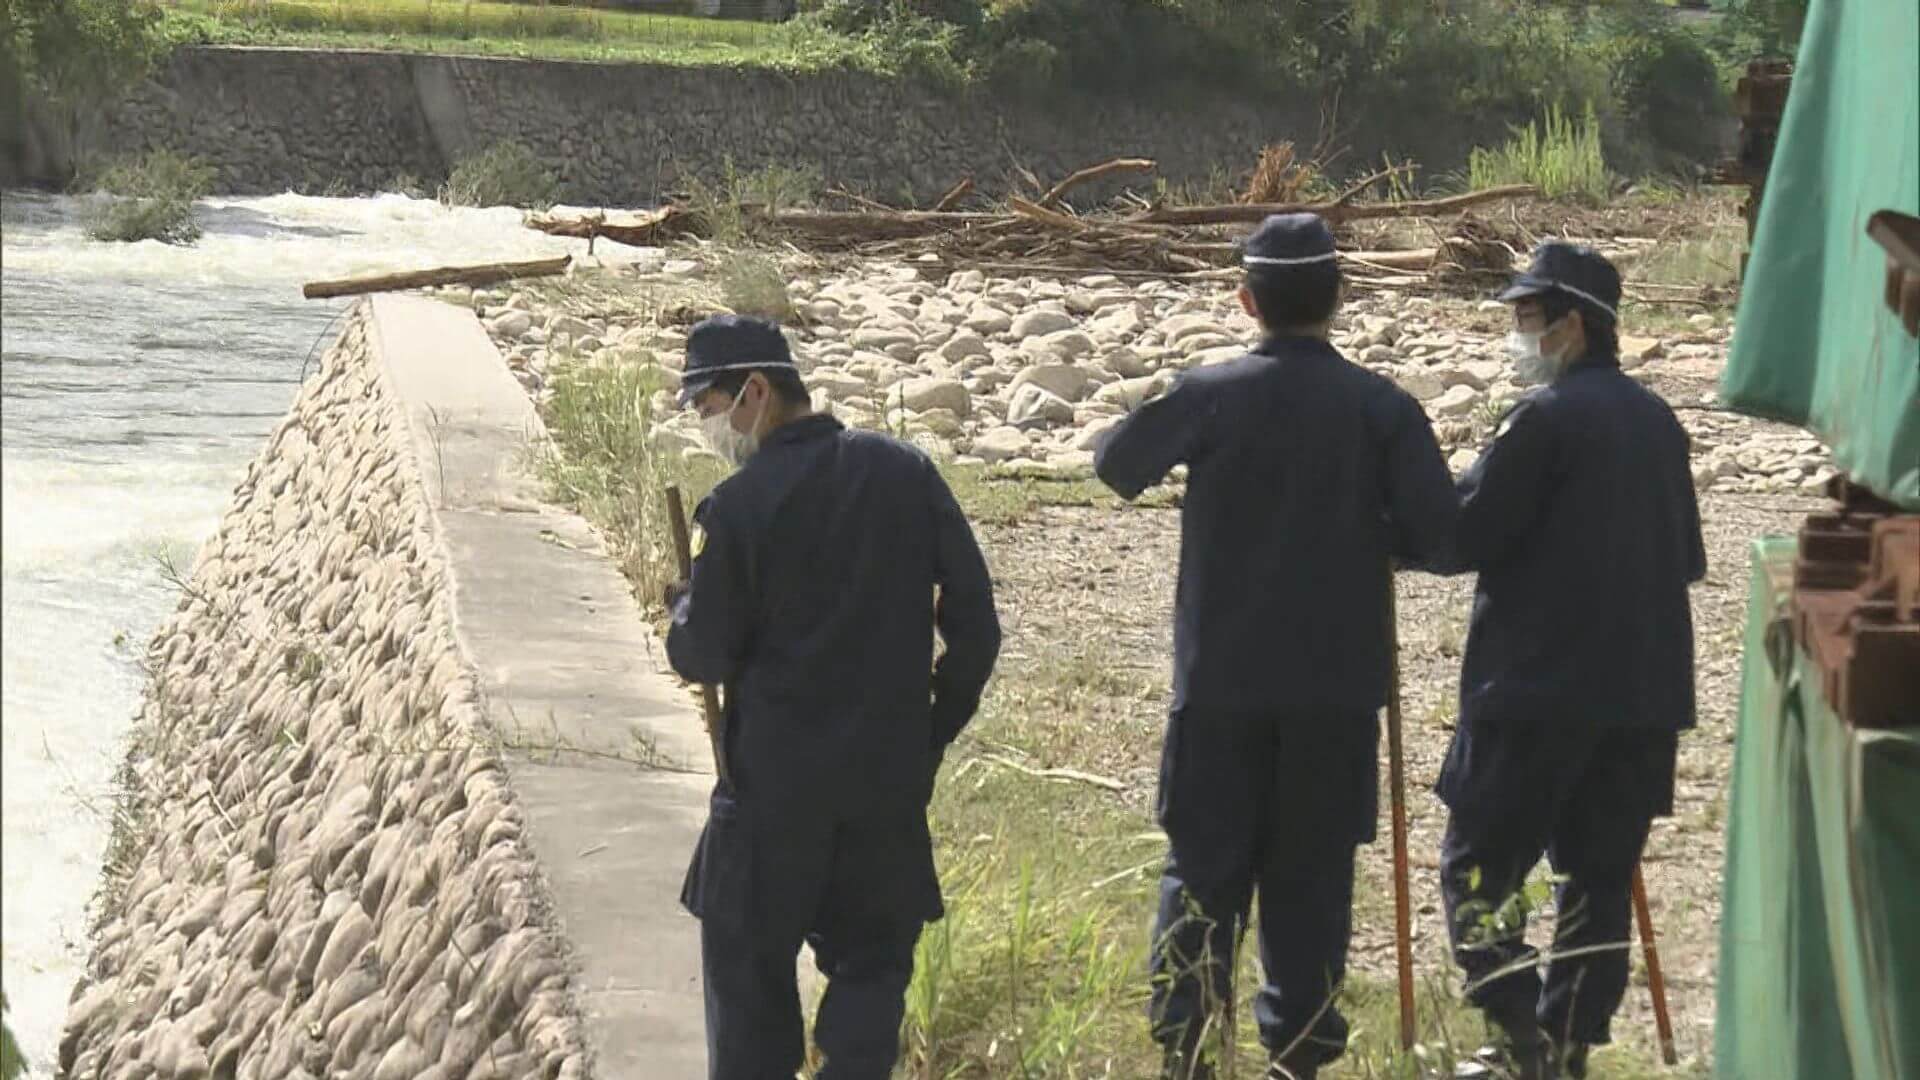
column 504, row 174
column 607, row 463
column 1561, row 156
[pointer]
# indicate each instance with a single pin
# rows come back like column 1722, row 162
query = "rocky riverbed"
column 1025, row 373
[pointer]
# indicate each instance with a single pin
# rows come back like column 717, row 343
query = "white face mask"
column 1530, row 364
column 733, row 446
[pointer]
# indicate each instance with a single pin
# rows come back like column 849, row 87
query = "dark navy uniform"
column 1581, row 520
column 1306, row 474
column 813, row 603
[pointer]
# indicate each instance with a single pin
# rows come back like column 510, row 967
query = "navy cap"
column 1574, row 269
column 725, row 343
column 1285, row 240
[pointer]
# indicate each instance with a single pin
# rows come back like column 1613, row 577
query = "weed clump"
column 504, row 174
column 150, row 198
column 1562, row 158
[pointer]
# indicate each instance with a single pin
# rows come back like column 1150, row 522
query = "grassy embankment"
column 485, row 27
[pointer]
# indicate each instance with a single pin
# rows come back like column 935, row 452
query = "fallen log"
column 1094, row 172
column 488, row 274
column 1254, row 213
column 1039, row 212
column 656, row 228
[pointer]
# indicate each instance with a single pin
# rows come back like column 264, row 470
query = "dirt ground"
column 1096, row 585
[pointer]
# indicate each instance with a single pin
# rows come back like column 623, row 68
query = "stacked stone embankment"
column 323, row 872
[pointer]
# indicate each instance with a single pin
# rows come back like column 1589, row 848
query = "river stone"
column 1125, row 362
column 1119, row 324
column 926, row 393
column 1130, row 393
column 1458, row 401
column 1040, row 322
column 1001, row 444
column 1094, row 433
column 511, row 324
column 1033, row 405
column 988, row 320
column 884, row 338
column 349, row 936
column 1422, row 385
column 1064, row 381
column 1181, row 327
column 1068, row 345
column 964, row 345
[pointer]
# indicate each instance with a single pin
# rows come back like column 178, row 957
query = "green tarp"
column 1814, row 343
column 1819, row 973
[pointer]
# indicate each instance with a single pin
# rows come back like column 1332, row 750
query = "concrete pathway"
column 576, row 686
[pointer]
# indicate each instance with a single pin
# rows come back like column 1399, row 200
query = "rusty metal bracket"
column 1856, row 607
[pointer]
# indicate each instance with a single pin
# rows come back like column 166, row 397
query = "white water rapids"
column 136, row 382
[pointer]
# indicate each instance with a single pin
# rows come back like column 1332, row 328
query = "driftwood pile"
column 1040, row 234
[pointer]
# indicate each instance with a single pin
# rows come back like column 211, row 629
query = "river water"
column 136, row 382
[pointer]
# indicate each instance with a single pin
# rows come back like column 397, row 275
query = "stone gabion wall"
column 322, row 871
column 326, row 122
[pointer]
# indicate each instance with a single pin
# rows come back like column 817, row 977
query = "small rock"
column 1458, row 401
column 1181, row 327
column 1033, row 405
column 883, row 338
column 988, row 320
column 1702, row 321
column 964, row 345
column 1125, row 363
column 1375, row 355
column 510, row 325
column 1130, row 393
column 926, row 393
column 1041, row 322
column 1064, row 381
column 1068, row 345
column 1001, row 444
column 1422, row 385
column 569, row 325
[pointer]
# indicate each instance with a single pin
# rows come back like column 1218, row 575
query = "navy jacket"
column 813, row 602
column 1581, row 520
column 1305, row 473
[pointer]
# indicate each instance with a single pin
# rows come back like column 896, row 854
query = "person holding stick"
column 813, row 602
column 1580, row 519
column 1307, row 475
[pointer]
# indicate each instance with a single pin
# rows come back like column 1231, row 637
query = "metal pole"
column 1656, row 982
column 1397, row 779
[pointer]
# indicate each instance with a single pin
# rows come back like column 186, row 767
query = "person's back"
column 1582, row 611
column 813, row 602
column 1581, row 522
column 1305, row 475
column 841, row 552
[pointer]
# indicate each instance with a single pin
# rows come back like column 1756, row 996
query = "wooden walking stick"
column 709, row 698
column 1656, row 982
column 1397, row 781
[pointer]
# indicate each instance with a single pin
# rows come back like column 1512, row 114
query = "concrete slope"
column 574, row 682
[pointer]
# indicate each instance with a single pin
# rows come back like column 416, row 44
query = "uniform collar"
column 814, row 426
column 1277, row 345
column 1593, row 361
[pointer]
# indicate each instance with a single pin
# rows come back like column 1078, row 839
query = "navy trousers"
column 1273, row 805
column 1584, row 799
column 856, row 889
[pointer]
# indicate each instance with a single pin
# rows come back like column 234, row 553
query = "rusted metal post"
column 1397, row 783
column 709, row 697
column 1656, row 982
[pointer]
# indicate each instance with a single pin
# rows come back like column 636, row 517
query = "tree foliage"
column 76, row 56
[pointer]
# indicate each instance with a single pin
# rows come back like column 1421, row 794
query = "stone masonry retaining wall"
column 273, row 120
column 330, row 877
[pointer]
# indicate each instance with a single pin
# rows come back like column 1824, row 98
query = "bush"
column 504, row 174
column 150, row 198
column 1562, row 158
column 1667, row 89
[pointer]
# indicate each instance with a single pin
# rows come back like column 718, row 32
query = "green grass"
column 1560, row 156
column 505, row 174
column 535, row 31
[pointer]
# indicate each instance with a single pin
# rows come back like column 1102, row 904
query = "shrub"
column 150, row 198
column 1667, row 89
column 12, row 1063
column 1563, row 158
column 504, row 174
